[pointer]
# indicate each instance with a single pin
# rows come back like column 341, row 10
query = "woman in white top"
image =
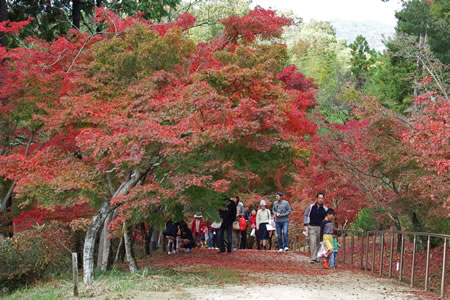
column 262, row 219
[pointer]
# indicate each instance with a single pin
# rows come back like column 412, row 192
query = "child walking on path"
column 336, row 246
column 326, row 236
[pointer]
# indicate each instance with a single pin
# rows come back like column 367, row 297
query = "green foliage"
column 318, row 54
column 422, row 19
column 203, row 200
column 390, row 82
column 437, row 224
column 334, row 113
column 270, row 58
column 366, row 220
column 362, row 59
column 414, row 18
column 148, row 53
column 248, row 165
column 55, row 18
column 152, row 9
column 208, row 13
column 50, row 20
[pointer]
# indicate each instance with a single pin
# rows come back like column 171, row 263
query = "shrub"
column 32, row 254
column 365, row 220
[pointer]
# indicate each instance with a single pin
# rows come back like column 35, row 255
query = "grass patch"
column 50, row 291
column 223, row 276
column 116, row 283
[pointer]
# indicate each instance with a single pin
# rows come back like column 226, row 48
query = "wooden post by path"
column 75, row 273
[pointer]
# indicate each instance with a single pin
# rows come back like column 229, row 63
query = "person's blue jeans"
column 210, row 238
column 333, row 258
column 282, row 234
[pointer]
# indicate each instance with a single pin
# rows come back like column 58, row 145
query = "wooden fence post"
column 75, row 273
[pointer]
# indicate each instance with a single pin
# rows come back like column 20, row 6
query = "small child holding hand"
column 326, row 236
column 336, row 246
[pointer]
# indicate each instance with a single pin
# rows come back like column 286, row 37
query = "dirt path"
column 271, row 275
column 339, row 285
column 342, row 285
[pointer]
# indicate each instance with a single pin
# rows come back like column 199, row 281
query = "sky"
column 327, row 10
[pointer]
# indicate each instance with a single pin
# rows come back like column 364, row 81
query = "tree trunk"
column 101, row 245
column 154, row 239
column 5, row 201
column 104, row 248
column 76, row 14
column 97, row 222
column 128, row 251
column 120, row 254
column 146, row 239
column 418, row 227
column 89, row 241
column 3, row 17
column 398, row 227
column 162, row 242
column 99, row 26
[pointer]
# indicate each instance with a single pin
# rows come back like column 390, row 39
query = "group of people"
column 236, row 219
column 318, row 227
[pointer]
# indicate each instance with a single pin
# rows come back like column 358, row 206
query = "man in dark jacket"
column 228, row 217
column 314, row 215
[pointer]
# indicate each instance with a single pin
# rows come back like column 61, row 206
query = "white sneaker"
column 286, row 249
column 280, row 250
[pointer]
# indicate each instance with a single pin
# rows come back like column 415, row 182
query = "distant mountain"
column 373, row 32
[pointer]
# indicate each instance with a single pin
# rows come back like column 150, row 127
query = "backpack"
column 242, row 223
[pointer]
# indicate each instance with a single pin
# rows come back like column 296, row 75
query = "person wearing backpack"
column 313, row 217
column 281, row 210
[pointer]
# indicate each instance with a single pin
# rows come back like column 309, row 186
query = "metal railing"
column 369, row 248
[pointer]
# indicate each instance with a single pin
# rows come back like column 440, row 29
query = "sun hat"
column 262, row 202
column 198, row 215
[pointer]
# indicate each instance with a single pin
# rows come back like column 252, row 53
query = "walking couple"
column 281, row 211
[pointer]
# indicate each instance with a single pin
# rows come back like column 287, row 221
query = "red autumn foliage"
column 14, row 27
column 379, row 161
column 99, row 113
column 40, row 216
column 429, row 135
column 258, row 23
column 295, row 80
